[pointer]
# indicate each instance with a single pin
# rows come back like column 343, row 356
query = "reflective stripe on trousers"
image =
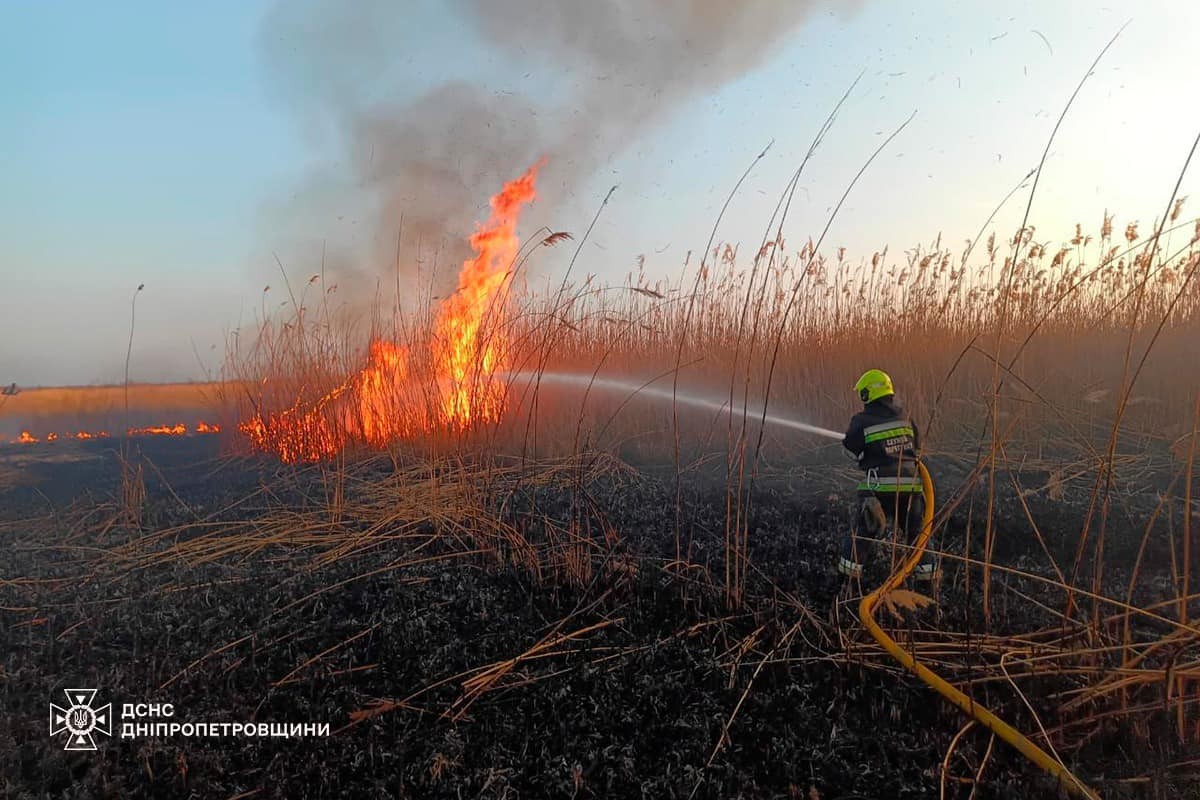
column 894, row 483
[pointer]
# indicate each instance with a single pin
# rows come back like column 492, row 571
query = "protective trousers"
column 873, row 509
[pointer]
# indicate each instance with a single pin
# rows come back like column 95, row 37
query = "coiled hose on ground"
column 866, row 612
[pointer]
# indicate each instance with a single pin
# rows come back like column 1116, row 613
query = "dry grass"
column 1072, row 358
column 1076, row 358
column 799, row 327
column 1070, row 322
column 1096, row 333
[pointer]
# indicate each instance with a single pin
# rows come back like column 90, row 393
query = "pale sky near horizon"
column 145, row 143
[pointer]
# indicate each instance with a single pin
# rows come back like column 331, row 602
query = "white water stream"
column 584, row 381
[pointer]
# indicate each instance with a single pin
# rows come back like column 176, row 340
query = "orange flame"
column 158, row 430
column 383, row 402
column 380, row 386
column 470, row 362
column 297, row 433
column 178, row 429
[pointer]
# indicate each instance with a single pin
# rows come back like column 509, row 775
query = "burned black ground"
column 637, row 706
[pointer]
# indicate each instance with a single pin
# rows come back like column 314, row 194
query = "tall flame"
column 469, row 362
column 387, row 399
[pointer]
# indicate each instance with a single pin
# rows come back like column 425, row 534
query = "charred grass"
column 590, row 597
column 502, row 630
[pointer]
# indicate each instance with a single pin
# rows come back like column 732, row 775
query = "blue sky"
column 147, row 143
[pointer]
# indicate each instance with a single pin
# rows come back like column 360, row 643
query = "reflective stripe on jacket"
column 883, row 440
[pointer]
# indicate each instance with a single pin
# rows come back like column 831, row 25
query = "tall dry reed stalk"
column 1024, row 354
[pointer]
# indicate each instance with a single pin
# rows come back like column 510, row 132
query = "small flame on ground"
column 158, row 430
column 178, row 429
column 387, row 400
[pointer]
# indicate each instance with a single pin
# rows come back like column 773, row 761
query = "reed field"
column 1067, row 333
column 563, row 520
column 1051, row 382
column 453, row 529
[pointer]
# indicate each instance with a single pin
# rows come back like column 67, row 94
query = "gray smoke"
column 619, row 68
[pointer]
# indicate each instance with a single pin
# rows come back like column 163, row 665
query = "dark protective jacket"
column 883, row 439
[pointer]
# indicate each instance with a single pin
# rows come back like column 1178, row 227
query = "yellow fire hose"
column 866, row 611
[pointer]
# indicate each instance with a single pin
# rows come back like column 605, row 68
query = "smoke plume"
column 613, row 69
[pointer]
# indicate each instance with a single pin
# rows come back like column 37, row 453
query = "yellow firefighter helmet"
column 873, row 385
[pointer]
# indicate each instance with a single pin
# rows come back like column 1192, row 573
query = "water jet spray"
column 587, row 381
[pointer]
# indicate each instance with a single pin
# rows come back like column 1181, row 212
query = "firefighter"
column 885, row 443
